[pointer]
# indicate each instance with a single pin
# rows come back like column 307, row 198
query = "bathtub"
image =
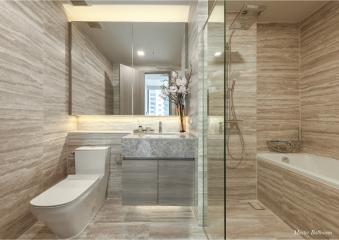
column 303, row 190
column 322, row 169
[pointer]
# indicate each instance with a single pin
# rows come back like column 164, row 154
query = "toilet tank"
column 92, row 160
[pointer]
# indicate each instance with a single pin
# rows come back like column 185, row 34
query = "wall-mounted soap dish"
column 284, row 146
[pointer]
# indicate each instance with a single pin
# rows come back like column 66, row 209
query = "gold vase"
column 181, row 113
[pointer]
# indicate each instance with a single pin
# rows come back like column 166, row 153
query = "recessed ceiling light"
column 217, row 54
column 141, row 53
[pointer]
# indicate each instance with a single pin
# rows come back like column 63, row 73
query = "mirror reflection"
column 120, row 68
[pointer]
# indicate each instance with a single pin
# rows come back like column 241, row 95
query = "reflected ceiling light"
column 127, row 13
column 217, row 54
column 141, row 53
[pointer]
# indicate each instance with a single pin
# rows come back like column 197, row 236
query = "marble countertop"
column 122, row 132
column 159, row 146
column 159, row 136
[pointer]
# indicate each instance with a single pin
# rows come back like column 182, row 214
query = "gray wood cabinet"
column 175, row 182
column 140, row 182
column 158, row 182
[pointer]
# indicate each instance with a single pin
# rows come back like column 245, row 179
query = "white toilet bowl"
column 68, row 207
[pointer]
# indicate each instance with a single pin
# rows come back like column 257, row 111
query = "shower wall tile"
column 282, row 129
column 321, row 137
column 34, row 107
column 319, row 81
column 278, row 111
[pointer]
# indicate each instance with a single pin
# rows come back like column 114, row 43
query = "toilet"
column 68, row 207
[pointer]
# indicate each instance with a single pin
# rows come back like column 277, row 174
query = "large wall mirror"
column 118, row 68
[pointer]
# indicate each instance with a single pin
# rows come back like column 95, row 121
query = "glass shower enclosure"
column 229, row 121
column 215, row 85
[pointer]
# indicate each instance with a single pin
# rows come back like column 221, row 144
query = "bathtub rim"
column 322, row 179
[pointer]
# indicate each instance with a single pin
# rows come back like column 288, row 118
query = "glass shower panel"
column 214, row 217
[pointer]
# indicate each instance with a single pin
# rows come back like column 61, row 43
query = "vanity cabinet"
column 158, row 169
column 157, row 182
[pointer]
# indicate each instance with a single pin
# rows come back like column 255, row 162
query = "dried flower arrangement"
column 176, row 91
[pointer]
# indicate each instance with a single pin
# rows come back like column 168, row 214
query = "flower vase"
column 181, row 112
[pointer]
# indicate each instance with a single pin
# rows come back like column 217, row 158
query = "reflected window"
column 155, row 104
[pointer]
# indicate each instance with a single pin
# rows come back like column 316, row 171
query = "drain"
column 256, row 205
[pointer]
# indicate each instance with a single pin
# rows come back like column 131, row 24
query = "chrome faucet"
column 160, row 127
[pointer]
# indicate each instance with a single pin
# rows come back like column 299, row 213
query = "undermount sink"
column 158, row 145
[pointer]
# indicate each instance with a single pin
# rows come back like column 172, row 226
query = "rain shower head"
column 247, row 16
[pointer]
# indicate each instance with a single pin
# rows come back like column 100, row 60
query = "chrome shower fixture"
column 247, row 16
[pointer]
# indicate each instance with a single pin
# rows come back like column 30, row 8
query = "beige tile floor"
column 244, row 222
column 114, row 221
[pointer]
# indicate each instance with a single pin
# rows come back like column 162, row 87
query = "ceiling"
column 280, row 11
column 161, row 42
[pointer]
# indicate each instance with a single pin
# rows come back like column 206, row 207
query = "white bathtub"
column 322, row 169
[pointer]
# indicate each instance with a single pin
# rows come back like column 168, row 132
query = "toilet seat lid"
column 65, row 191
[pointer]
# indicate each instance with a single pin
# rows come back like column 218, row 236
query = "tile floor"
column 114, row 221
column 244, row 222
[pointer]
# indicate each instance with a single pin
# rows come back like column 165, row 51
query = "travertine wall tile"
column 319, row 82
column 34, row 106
column 278, row 112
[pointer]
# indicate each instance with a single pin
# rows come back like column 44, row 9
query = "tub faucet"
column 160, row 127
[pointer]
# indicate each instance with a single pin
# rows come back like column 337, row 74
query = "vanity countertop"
column 159, row 146
column 103, row 132
column 159, row 136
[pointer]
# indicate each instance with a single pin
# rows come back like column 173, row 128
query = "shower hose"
column 231, row 118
